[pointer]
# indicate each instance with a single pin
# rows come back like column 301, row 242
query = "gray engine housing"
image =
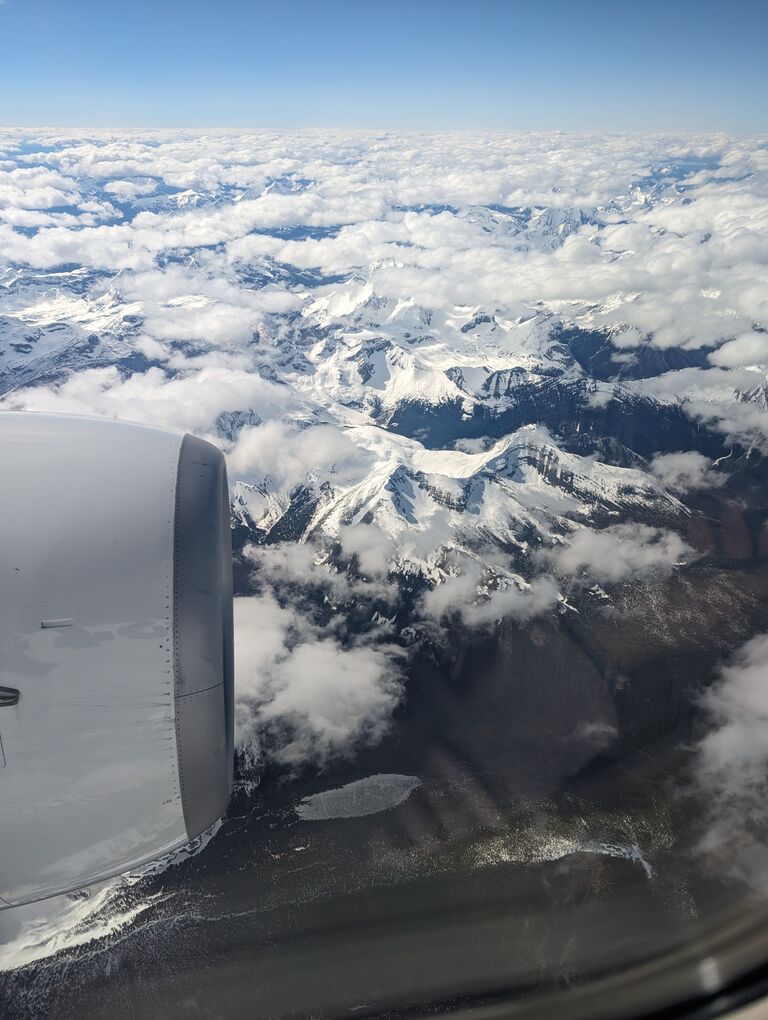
column 116, row 634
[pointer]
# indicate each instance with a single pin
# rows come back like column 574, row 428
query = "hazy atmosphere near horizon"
column 473, row 297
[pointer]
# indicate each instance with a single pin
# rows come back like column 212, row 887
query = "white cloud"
column 372, row 547
column 288, row 455
column 303, row 697
column 620, row 552
column 128, row 190
column 36, row 188
column 306, row 565
column 479, row 602
column 627, row 337
column 748, row 349
column 686, row 471
column 187, row 401
column 731, row 765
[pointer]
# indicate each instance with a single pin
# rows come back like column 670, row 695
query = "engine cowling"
column 116, row 659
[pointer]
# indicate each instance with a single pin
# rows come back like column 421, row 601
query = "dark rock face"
column 641, row 427
column 600, row 359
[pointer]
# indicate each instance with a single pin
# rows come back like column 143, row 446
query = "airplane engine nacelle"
column 116, row 663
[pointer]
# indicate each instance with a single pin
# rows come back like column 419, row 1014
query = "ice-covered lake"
column 362, row 797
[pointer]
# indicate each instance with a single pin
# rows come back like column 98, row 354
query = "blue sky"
column 550, row 64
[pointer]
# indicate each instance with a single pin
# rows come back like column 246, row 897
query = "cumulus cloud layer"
column 211, row 238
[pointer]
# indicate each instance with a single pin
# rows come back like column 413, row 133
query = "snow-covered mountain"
column 472, row 359
column 518, row 494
